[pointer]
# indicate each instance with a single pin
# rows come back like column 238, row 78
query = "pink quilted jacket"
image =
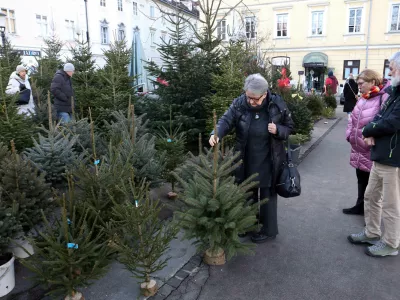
column 363, row 113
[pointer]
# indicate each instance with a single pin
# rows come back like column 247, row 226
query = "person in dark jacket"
column 263, row 123
column 382, row 197
column 350, row 92
column 61, row 88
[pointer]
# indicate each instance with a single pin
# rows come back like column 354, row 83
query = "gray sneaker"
column 381, row 250
column 361, row 238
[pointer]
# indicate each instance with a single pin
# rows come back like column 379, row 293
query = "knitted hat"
column 68, row 67
column 20, row 68
column 330, row 73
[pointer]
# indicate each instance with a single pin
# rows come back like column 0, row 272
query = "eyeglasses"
column 360, row 83
column 254, row 99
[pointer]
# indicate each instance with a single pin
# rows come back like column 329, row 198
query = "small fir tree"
column 215, row 209
column 21, row 183
column 70, row 253
column 9, row 225
column 9, row 60
column 142, row 239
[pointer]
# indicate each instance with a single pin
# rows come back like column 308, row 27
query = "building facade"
column 315, row 36
column 28, row 22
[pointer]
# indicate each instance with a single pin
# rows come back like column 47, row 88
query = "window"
column 221, row 30
column 350, row 66
column 386, row 69
column 10, row 20
column 119, row 5
column 121, row 32
column 41, row 22
column 152, row 12
column 282, row 25
column 355, row 20
column 104, row 32
column 163, row 19
column 134, row 8
column 395, row 22
column 152, row 36
column 163, row 36
column 317, row 22
column 103, row 3
column 251, row 27
column 70, row 26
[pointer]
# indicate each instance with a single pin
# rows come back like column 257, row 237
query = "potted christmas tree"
column 214, row 208
column 141, row 238
column 69, row 253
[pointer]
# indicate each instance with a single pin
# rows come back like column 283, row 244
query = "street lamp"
column 3, row 27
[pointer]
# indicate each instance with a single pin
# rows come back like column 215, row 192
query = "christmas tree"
column 42, row 111
column 9, row 225
column 214, row 208
column 141, row 238
column 21, row 183
column 85, row 79
column 9, row 60
column 70, row 253
column 53, row 153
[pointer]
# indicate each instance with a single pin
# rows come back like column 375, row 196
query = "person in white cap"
column 61, row 88
column 19, row 84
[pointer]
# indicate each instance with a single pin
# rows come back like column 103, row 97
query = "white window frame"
column 120, row 6
column 104, row 33
column 42, row 25
column 135, row 8
column 152, row 12
column 121, row 34
column 323, row 33
column 70, row 29
column 8, row 20
column 103, row 3
column 355, row 18
column 251, row 34
column 163, row 36
column 277, row 16
column 152, row 38
column 392, row 5
column 221, row 29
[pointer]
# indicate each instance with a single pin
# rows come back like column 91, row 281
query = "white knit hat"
column 20, row 68
column 68, row 67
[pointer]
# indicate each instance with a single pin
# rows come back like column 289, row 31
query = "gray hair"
column 396, row 59
column 256, row 84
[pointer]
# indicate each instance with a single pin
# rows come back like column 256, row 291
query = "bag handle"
column 289, row 153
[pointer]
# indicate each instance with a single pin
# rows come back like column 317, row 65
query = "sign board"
column 301, row 73
column 29, row 52
column 314, row 64
column 280, row 61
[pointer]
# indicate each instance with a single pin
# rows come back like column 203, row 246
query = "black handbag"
column 23, row 97
column 288, row 183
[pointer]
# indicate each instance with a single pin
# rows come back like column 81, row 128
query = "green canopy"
column 315, row 59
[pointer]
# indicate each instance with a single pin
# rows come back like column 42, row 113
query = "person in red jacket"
column 331, row 84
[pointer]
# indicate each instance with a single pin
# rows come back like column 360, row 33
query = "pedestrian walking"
column 331, row 84
column 373, row 93
column 61, row 88
column 262, row 122
column 382, row 197
column 350, row 93
column 19, row 84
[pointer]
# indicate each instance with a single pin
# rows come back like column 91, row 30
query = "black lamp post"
column 3, row 28
column 87, row 23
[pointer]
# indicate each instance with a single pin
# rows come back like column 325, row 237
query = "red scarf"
column 372, row 92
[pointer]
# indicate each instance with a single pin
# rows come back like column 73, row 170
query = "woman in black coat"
column 263, row 123
column 350, row 92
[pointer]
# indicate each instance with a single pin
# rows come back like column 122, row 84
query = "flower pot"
column 18, row 245
column 214, row 258
column 295, row 152
column 7, row 274
column 77, row 296
column 172, row 195
column 149, row 288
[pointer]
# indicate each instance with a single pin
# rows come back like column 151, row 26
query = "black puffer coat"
column 238, row 117
column 61, row 88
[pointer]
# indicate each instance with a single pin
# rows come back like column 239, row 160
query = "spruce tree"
column 9, row 60
column 85, row 80
column 181, row 84
column 214, row 208
column 53, row 153
column 69, row 253
column 21, row 183
column 141, row 238
column 9, row 225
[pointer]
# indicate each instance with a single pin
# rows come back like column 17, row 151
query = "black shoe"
column 355, row 210
column 261, row 237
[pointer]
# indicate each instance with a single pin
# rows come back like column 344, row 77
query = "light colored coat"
column 363, row 113
column 13, row 88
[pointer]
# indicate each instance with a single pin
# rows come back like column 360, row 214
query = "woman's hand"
column 272, row 128
column 370, row 141
column 212, row 141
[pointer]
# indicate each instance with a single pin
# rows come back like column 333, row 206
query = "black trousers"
column 268, row 213
column 362, row 180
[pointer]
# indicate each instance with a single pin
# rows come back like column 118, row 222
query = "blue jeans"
column 64, row 117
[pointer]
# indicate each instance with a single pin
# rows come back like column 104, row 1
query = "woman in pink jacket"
column 372, row 88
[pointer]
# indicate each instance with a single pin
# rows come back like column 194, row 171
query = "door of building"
column 315, row 77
